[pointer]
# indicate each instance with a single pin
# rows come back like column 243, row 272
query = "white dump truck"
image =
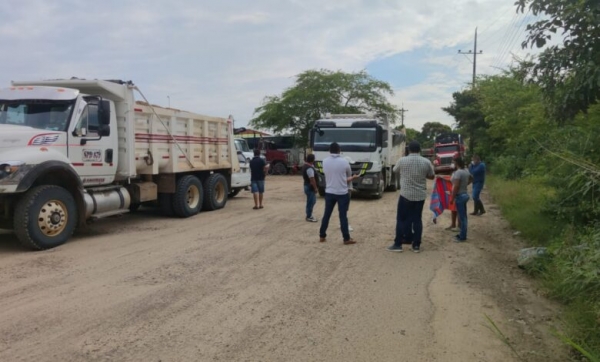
column 76, row 150
column 371, row 145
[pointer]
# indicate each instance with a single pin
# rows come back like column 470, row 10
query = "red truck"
column 447, row 148
column 279, row 160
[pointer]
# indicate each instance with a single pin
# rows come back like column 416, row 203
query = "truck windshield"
column 446, row 149
column 241, row 145
column 41, row 114
column 349, row 139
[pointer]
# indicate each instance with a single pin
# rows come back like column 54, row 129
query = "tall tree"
column 317, row 92
column 431, row 130
column 466, row 110
column 569, row 73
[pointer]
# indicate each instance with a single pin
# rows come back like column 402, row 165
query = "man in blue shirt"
column 258, row 169
column 477, row 170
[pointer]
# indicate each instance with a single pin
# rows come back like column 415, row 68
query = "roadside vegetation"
column 537, row 126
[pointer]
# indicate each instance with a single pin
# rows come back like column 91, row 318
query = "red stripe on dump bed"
column 78, row 164
column 166, row 157
column 97, row 164
column 138, row 109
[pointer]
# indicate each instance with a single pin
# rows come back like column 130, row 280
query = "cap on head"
column 414, row 147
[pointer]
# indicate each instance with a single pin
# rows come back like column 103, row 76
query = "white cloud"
column 223, row 57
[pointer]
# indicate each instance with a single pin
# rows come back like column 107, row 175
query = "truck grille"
column 357, row 168
column 446, row 161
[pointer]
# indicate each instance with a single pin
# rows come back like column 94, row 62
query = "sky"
column 223, row 57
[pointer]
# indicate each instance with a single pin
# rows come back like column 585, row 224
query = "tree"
column 466, row 110
column 431, row 130
column 317, row 92
column 569, row 74
column 411, row 134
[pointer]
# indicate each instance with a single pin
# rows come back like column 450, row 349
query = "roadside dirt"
column 256, row 285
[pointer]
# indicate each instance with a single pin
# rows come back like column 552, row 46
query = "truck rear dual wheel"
column 187, row 199
column 45, row 217
column 215, row 192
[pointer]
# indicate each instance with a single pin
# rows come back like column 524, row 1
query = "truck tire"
column 215, row 192
column 45, row 217
column 187, row 199
column 234, row 193
column 392, row 186
column 165, row 203
column 381, row 187
column 279, row 168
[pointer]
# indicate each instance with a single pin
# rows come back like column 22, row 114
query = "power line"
column 515, row 37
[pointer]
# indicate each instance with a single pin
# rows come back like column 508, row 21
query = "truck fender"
column 58, row 170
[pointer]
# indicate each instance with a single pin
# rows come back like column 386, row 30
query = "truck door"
column 93, row 141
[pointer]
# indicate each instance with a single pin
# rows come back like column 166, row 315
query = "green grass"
column 522, row 203
column 571, row 271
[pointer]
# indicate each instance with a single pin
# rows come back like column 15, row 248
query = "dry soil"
column 256, row 285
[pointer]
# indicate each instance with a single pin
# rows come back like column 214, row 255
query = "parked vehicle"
column 241, row 145
column 370, row 143
column 76, row 150
column 278, row 160
column 447, row 148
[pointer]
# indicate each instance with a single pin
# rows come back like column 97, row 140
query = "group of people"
column 413, row 172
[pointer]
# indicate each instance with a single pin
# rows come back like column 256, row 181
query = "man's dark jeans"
column 409, row 221
column 311, row 200
column 343, row 202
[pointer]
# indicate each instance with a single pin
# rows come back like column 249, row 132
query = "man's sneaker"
column 349, row 242
column 322, row 240
column 416, row 249
column 457, row 239
column 311, row 219
column 394, row 248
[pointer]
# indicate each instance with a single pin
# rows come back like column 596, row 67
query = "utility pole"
column 402, row 110
column 474, row 52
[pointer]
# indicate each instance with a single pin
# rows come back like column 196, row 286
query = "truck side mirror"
column 104, row 130
column 104, row 112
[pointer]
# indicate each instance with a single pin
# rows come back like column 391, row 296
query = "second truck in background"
column 370, row 144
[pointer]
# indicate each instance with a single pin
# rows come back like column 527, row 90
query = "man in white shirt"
column 337, row 175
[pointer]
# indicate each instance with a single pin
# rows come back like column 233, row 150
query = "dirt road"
column 256, row 285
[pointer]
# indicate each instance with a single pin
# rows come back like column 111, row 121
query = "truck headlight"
column 367, row 181
column 8, row 168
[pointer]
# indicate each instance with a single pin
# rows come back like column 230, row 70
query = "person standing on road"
column 414, row 172
column 258, row 169
column 337, row 176
column 477, row 170
column 460, row 179
column 310, row 186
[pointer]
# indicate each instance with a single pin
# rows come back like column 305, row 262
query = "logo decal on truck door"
column 92, row 156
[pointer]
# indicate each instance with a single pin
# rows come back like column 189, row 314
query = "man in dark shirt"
column 258, row 169
column 310, row 186
column 477, row 170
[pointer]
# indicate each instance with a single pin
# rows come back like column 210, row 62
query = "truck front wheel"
column 45, row 217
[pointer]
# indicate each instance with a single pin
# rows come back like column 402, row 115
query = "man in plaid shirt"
column 414, row 171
